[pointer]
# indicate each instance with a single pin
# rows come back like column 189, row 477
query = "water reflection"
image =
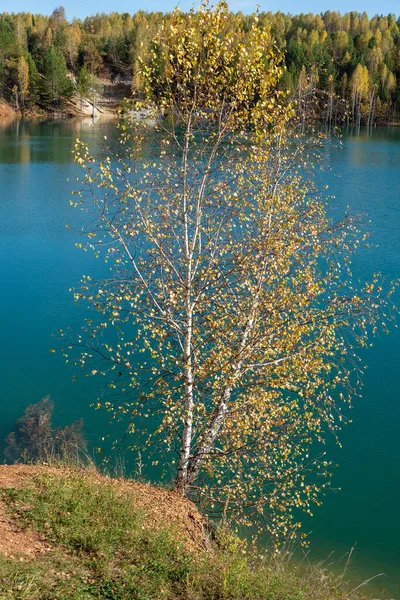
column 375, row 134
column 39, row 140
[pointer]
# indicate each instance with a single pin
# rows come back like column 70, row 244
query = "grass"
column 103, row 548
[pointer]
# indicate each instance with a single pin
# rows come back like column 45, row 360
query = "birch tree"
column 359, row 87
column 230, row 297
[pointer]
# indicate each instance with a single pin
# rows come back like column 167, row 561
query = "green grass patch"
column 103, row 548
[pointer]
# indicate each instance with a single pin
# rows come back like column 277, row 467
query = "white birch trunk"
column 187, row 432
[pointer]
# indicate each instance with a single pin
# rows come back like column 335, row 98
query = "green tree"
column 91, row 55
column 34, row 82
column 226, row 277
column 328, row 46
column 88, row 87
column 3, row 79
column 7, row 36
column 83, row 85
column 56, row 84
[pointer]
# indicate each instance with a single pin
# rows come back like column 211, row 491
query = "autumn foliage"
column 230, row 295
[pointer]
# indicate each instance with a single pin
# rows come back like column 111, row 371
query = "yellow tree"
column 359, row 86
column 72, row 42
column 23, row 78
column 229, row 290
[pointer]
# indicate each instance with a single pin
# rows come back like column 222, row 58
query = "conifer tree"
column 83, row 85
column 56, row 84
column 34, row 82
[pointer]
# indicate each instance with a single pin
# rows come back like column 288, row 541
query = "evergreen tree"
column 329, row 47
column 7, row 36
column 34, row 82
column 3, row 79
column 56, row 84
column 83, row 84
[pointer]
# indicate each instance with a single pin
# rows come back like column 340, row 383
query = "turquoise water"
column 38, row 263
column 366, row 512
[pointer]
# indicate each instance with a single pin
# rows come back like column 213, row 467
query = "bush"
column 35, row 440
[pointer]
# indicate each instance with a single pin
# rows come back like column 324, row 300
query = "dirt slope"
column 161, row 506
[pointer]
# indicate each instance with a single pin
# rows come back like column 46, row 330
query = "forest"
column 340, row 68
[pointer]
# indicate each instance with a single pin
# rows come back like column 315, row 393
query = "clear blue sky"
column 82, row 8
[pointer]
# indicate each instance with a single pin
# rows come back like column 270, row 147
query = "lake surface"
column 39, row 263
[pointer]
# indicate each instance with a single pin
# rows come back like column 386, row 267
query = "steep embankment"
column 75, row 534
column 6, row 110
column 161, row 506
column 68, row 534
column 105, row 102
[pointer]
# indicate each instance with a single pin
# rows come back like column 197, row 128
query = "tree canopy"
column 323, row 52
column 234, row 316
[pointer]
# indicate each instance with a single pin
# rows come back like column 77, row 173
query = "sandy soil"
column 6, row 110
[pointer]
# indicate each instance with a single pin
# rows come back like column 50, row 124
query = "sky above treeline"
column 79, row 9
